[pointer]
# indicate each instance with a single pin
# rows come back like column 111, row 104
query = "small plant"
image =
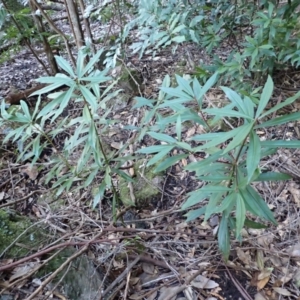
column 33, row 136
column 232, row 156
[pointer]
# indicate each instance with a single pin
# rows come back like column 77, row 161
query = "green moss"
column 11, row 227
column 145, row 187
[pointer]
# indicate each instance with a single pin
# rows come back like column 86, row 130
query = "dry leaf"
column 31, row 171
column 243, row 256
column 294, row 250
column 282, row 291
column 148, row 268
column 166, row 291
column 262, row 283
column 201, row 282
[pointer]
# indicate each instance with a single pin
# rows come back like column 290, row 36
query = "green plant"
column 31, row 131
column 232, row 156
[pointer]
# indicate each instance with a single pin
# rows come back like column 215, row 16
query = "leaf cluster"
column 232, row 158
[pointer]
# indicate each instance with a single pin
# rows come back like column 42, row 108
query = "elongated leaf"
column 236, row 99
column 65, row 65
column 208, row 84
column 162, row 137
column 255, row 225
column 272, row 176
column 194, row 214
column 184, row 84
column 265, row 97
column 213, row 202
column 170, row 161
column 255, row 204
column 224, row 237
column 280, row 120
column 240, row 214
column 178, row 128
column 288, row 101
column 157, row 157
column 195, row 197
column 281, row 144
column 240, row 136
column 91, row 63
column 154, row 149
column 253, row 155
column 203, row 163
column 237, row 132
column 227, row 203
column 223, row 112
column 25, row 109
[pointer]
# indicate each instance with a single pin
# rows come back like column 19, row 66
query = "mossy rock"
column 12, row 228
column 146, row 187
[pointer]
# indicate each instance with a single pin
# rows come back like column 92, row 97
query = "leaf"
column 240, row 136
column 224, row 237
column 235, row 98
column 221, row 137
column 170, row 161
column 209, row 83
column 255, row 204
column 162, row 137
column 195, row 197
column 223, row 112
column 281, row 144
column 155, row 149
column 65, row 65
column 184, row 85
column 178, row 39
column 157, row 157
column 240, row 214
column 288, row 101
column 253, row 155
column 213, row 201
column 272, row 176
column 280, row 120
column 194, row 214
column 255, row 225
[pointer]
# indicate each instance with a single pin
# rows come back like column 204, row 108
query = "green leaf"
column 178, row 127
column 162, row 137
column 224, row 237
column 213, row 202
column 194, row 214
column 226, row 113
column 99, row 196
column 157, row 157
column 195, row 197
column 265, row 96
column 89, row 97
column 170, row 161
column 209, row 83
column 240, row 214
column 253, row 155
column 184, row 85
column 154, row 149
column 65, row 65
column 179, row 39
column 241, row 134
column 227, row 204
column 281, row 144
column 221, row 137
column 254, row 225
column 25, row 109
column 256, row 205
column 288, row 101
column 280, row 120
column 91, row 63
column 272, row 176
column 235, row 98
